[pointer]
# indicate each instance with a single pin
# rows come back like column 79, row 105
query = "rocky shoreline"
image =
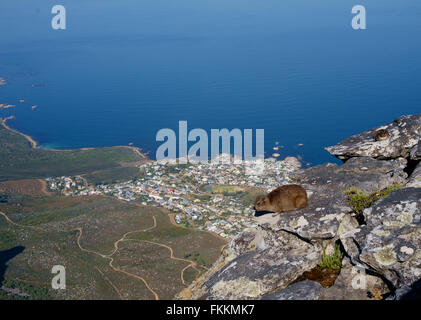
column 381, row 247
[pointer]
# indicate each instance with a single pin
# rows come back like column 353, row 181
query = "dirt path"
column 223, row 247
column 83, row 249
column 17, row 224
column 172, row 220
column 191, row 263
column 137, row 151
column 182, row 273
column 111, row 259
column 102, row 255
column 123, row 238
column 44, row 190
column 110, row 282
column 8, row 219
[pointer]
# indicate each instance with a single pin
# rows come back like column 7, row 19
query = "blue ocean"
column 124, row 69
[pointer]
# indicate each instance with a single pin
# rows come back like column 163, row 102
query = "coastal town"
column 213, row 196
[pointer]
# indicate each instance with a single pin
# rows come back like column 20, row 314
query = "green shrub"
column 26, row 291
column 359, row 200
column 333, row 261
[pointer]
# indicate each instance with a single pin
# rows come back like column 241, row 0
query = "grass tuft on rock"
column 332, row 261
column 359, row 200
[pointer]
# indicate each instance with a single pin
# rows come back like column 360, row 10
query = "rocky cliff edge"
column 380, row 246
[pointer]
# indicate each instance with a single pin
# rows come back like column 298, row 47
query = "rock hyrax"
column 381, row 135
column 285, row 198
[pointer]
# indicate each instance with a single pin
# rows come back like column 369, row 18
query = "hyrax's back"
column 288, row 197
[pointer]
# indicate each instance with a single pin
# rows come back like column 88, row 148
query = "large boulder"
column 405, row 134
column 412, row 292
column 390, row 243
column 384, row 247
column 256, row 263
column 355, row 283
column 416, row 152
column 415, row 178
column 303, row 290
column 364, row 173
column 328, row 205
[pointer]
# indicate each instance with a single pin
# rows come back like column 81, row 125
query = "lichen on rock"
column 405, row 134
column 390, row 242
column 271, row 260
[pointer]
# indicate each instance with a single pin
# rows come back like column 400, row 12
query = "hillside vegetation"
column 18, row 160
column 110, row 249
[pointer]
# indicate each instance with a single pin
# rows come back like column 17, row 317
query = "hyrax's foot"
column 275, row 214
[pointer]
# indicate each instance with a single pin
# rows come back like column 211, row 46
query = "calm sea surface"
column 124, row 69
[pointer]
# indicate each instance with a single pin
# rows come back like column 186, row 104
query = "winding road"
column 17, row 224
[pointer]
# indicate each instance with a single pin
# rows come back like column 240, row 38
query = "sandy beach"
column 33, row 143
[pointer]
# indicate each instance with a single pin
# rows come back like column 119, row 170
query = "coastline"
column 34, row 144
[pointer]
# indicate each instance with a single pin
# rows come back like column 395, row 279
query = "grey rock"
column 365, row 173
column 303, row 290
column 354, row 283
column 405, row 133
column 275, row 260
column 390, row 243
column 347, row 230
column 415, row 178
column 400, row 293
column 321, row 218
column 412, row 292
column 264, row 262
column 353, row 251
column 325, row 185
column 243, row 242
column 416, row 152
column 267, row 219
